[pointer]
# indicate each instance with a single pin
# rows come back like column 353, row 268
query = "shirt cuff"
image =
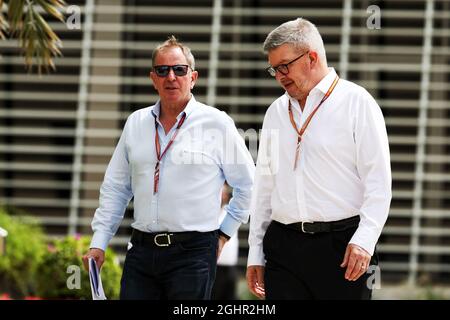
column 221, row 233
column 229, row 225
column 100, row 241
column 366, row 238
column 256, row 256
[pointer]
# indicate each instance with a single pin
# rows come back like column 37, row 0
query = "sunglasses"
column 179, row 70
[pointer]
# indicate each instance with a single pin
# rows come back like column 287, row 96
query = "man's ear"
column 194, row 77
column 313, row 57
column 152, row 76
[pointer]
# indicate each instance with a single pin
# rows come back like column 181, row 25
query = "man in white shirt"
column 323, row 180
column 173, row 159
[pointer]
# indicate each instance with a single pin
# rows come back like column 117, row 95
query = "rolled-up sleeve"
column 115, row 194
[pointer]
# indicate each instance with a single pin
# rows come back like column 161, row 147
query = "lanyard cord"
column 160, row 155
column 308, row 120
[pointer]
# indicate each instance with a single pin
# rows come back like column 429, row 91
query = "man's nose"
column 171, row 76
column 279, row 76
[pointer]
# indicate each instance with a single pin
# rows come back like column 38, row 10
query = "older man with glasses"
column 323, row 180
column 173, row 158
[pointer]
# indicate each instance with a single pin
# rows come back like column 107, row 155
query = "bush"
column 53, row 273
column 25, row 248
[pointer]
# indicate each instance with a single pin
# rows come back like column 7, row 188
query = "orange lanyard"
column 159, row 156
column 308, row 120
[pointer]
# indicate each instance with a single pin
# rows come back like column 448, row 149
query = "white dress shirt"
column 343, row 168
column 207, row 151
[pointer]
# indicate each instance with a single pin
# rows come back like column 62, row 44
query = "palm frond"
column 15, row 15
column 36, row 38
column 4, row 26
column 51, row 7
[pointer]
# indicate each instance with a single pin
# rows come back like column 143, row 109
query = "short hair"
column 299, row 32
column 172, row 41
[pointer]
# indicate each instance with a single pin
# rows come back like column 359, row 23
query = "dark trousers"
column 225, row 285
column 307, row 266
column 184, row 270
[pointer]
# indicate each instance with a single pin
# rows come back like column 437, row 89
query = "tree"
column 36, row 38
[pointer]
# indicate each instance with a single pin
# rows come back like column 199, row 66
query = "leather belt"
column 162, row 239
column 318, row 227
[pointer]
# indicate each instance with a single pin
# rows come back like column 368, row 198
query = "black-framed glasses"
column 283, row 68
column 179, row 70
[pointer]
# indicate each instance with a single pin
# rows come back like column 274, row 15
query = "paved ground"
column 405, row 292
column 386, row 292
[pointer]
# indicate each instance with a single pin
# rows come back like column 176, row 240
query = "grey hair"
column 172, row 41
column 299, row 32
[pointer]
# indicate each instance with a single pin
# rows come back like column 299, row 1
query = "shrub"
column 25, row 247
column 53, row 273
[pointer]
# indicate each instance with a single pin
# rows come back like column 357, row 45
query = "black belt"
column 317, row 227
column 162, row 239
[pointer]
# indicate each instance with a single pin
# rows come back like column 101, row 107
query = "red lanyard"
column 308, row 120
column 160, row 155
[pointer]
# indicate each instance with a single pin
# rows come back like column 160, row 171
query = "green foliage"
column 53, row 274
column 24, row 251
column 243, row 292
column 32, row 265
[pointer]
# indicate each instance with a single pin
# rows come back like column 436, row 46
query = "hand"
column 220, row 244
column 97, row 254
column 357, row 261
column 255, row 281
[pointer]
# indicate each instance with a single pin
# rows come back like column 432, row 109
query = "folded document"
column 96, row 281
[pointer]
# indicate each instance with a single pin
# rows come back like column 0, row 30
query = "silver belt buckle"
column 155, row 239
column 303, row 228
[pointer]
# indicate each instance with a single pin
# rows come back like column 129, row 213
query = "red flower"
column 33, row 298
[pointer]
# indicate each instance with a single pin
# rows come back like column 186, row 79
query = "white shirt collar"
column 156, row 111
column 326, row 82
column 322, row 86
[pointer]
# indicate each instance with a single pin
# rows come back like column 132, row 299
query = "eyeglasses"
column 282, row 68
column 179, row 70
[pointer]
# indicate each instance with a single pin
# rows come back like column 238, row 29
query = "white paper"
column 3, row 233
column 96, row 281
